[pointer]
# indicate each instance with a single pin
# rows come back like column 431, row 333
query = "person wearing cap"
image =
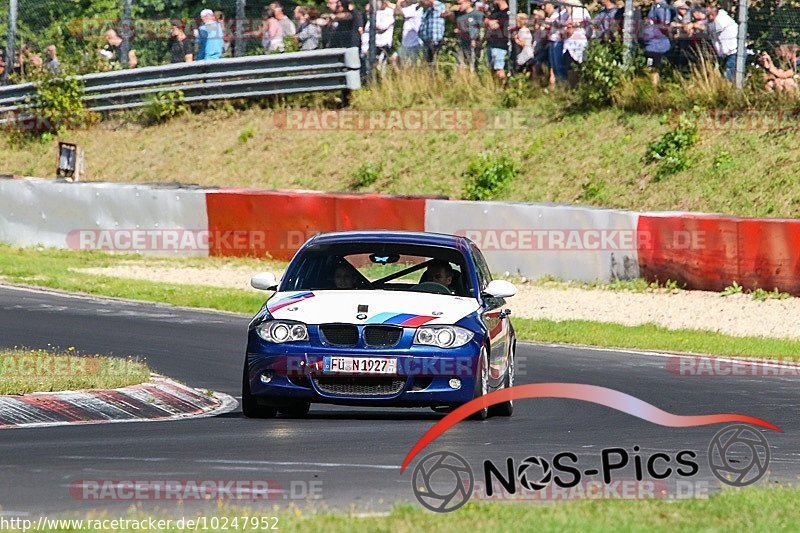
column 656, row 37
column 604, row 25
column 211, row 39
column 681, row 39
column 468, row 25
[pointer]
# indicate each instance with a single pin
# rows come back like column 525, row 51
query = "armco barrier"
column 284, row 220
column 569, row 242
column 710, row 252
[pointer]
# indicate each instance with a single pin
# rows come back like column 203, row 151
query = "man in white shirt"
column 724, row 32
column 410, row 44
column 384, row 31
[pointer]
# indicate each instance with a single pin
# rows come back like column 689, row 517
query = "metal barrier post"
column 239, row 45
column 10, row 42
column 741, row 48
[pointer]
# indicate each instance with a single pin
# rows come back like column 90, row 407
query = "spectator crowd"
column 549, row 43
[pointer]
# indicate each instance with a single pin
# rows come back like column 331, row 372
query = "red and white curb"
column 157, row 400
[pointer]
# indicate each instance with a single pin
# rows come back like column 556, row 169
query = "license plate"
column 359, row 365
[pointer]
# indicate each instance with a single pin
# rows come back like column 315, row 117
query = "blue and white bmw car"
column 384, row 319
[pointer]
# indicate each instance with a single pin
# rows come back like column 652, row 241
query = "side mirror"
column 264, row 282
column 500, row 289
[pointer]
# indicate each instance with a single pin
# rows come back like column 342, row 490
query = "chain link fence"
column 77, row 28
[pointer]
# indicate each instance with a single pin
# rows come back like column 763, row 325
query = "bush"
column 602, row 71
column 488, row 175
column 366, row 175
column 57, row 104
column 165, row 106
column 670, row 151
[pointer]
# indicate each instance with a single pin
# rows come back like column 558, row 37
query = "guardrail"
column 246, row 77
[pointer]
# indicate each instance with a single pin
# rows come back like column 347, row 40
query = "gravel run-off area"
column 738, row 314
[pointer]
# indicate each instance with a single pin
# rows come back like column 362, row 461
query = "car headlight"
column 443, row 336
column 280, row 331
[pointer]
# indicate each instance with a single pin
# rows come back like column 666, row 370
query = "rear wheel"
column 250, row 407
column 481, row 384
column 295, row 410
column 507, row 408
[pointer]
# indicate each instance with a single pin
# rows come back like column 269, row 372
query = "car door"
column 496, row 322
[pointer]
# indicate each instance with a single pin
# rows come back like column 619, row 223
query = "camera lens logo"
column 443, row 482
column 534, row 473
column 738, row 455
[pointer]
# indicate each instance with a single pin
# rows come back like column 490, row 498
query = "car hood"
column 409, row 309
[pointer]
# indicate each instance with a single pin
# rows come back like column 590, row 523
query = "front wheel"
column 507, row 408
column 250, row 407
column 481, row 384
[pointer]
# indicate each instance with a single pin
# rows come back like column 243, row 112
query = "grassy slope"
column 564, row 156
column 47, row 268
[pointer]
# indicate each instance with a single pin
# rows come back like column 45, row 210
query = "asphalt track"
column 354, row 453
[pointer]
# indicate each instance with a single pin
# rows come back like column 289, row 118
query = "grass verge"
column 653, row 337
column 56, row 269
column 59, row 269
column 755, row 509
column 24, row 371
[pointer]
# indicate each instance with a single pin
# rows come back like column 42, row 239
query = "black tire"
column 481, row 384
column 507, row 408
column 295, row 410
column 250, row 407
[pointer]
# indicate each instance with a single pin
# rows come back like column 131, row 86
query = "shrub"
column 602, row 71
column 366, row 175
column 57, row 104
column 245, row 135
column 670, row 151
column 165, row 106
column 487, row 175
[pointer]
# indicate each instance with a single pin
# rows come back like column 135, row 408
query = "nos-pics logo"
column 443, row 481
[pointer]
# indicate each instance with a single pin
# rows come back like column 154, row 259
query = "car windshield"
column 375, row 266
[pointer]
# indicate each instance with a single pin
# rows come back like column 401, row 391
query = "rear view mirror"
column 264, row 282
column 500, row 289
column 384, row 259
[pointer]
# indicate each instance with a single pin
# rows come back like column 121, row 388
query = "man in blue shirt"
column 431, row 28
column 210, row 38
column 656, row 36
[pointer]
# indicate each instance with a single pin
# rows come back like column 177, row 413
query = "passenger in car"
column 344, row 277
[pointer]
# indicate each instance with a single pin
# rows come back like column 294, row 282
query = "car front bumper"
column 423, row 377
